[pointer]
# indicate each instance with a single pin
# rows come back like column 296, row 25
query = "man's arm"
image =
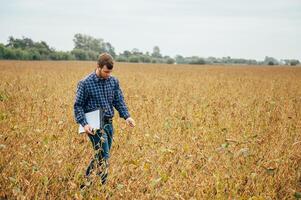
column 121, row 107
column 119, row 102
column 80, row 99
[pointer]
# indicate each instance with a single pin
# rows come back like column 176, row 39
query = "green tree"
column 86, row 42
column 92, row 55
column 43, row 48
column 270, row 61
column 109, row 49
column 134, row 59
column 121, row 58
column 294, row 62
column 156, row 52
column 147, row 59
column 170, row 61
column 61, row 55
column 154, row 60
column 180, row 59
column 28, row 44
column 136, row 52
column 80, row 54
column 34, row 54
column 23, row 43
column 197, row 61
column 22, row 54
column 9, row 53
column 89, row 43
column 126, row 53
column 2, row 49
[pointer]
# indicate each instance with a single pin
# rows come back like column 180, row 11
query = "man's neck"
column 98, row 74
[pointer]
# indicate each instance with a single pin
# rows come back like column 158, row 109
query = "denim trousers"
column 101, row 143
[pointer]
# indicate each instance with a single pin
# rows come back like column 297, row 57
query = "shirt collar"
column 98, row 79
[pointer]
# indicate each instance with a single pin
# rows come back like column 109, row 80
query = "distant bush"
column 144, row 59
column 34, row 54
column 294, row 62
column 10, row 53
column 2, row 49
column 22, row 54
column 198, row 61
column 154, row 60
column 80, row 54
column 170, row 61
column 60, row 55
column 121, row 59
column 134, row 59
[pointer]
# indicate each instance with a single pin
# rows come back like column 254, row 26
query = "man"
column 100, row 90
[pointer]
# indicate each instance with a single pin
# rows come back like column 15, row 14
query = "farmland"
column 202, row 132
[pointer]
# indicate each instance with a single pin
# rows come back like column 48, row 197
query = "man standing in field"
column 100, row 90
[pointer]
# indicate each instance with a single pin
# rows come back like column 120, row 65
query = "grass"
column 203, row 132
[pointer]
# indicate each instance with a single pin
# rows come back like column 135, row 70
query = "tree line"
column 88, row 48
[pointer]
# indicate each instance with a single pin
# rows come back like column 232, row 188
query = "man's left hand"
column 130, row 122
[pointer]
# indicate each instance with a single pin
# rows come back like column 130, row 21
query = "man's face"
column 105, row 73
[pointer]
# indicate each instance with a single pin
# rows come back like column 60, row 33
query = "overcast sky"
column 237, row 28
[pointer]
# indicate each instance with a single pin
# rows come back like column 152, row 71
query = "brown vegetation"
column 210, row 132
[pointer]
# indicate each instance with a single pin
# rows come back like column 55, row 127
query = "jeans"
column 102, row 143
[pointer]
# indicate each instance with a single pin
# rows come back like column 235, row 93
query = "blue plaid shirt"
column 94, row 92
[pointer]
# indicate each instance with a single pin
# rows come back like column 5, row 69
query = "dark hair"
column 105, row 59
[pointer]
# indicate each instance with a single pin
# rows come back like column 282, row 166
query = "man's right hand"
column 88, row 129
